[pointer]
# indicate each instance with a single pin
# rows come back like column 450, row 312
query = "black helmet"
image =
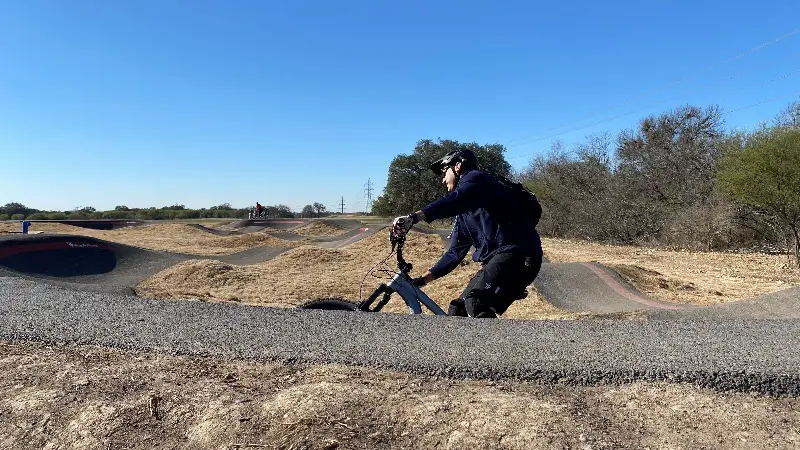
column 464, row 156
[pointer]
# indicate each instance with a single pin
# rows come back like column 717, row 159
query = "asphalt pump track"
column 90, row 264
column 78, row 289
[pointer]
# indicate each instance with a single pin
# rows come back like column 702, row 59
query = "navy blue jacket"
column 487, row 219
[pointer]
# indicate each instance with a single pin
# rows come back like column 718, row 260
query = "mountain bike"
column 401, row 284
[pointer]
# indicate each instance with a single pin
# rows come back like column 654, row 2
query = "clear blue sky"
column 152, row 103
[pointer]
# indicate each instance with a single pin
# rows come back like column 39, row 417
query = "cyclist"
column 508, row 248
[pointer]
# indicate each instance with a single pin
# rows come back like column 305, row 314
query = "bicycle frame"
column 402, row 285
column 411, row 294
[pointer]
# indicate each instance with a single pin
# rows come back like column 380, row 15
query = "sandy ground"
column 83, row 397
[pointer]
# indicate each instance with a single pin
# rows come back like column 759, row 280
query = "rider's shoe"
column 457, row 308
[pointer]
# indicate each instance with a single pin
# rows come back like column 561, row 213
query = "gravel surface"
column 740, row 355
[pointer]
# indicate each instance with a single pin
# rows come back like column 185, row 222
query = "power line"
column 787, row 75
column 765, row 101
column 672, row 83
column 778, row 78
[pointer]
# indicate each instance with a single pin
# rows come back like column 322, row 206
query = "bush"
column 705, row 227
column 155, row 215
column 119, row 215
column 17, row 217
column 37, row 216
column 57, row 216
column 4, row 217
column 763, row 175
column 191, row 214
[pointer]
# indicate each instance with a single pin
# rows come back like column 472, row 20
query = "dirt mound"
column 47, row 227
column 175, row 237
column 319, row 228
column 297, row 275
column 687, row 277
column 657, row 285
column 306, row 272
column 183, row 238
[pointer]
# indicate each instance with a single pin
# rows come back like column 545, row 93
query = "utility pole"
column 342, row 204
column 369, row 195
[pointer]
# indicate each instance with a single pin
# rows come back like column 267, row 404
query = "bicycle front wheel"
column 330, row 304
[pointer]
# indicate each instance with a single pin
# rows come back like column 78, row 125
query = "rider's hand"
column 402, row 224
column 419, row 281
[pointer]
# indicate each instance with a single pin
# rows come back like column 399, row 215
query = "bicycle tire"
column 330, row 304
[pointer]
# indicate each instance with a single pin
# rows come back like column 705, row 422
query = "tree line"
column 18, row 211
column 678, row 180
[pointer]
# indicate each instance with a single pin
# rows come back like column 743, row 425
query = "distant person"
column 259, row 209
column 487, row 218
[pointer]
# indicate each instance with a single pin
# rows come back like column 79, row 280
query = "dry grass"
column 172, row 237
column 45, row 227
column 699, row 278
column 85, row 397
column 306, row 273
column 319, row 228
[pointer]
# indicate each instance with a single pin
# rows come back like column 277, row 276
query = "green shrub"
column 4, row 217
column 37, row 216
column 191, row 214
column 119, row 215
column 17, row 217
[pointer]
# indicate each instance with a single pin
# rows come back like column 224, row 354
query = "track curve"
column 86, row 263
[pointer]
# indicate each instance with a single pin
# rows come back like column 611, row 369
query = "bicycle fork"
column 382, row 289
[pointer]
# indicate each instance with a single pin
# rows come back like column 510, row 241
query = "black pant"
column 500, row 282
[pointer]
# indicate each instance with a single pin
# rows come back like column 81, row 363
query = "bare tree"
column 789, row 117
